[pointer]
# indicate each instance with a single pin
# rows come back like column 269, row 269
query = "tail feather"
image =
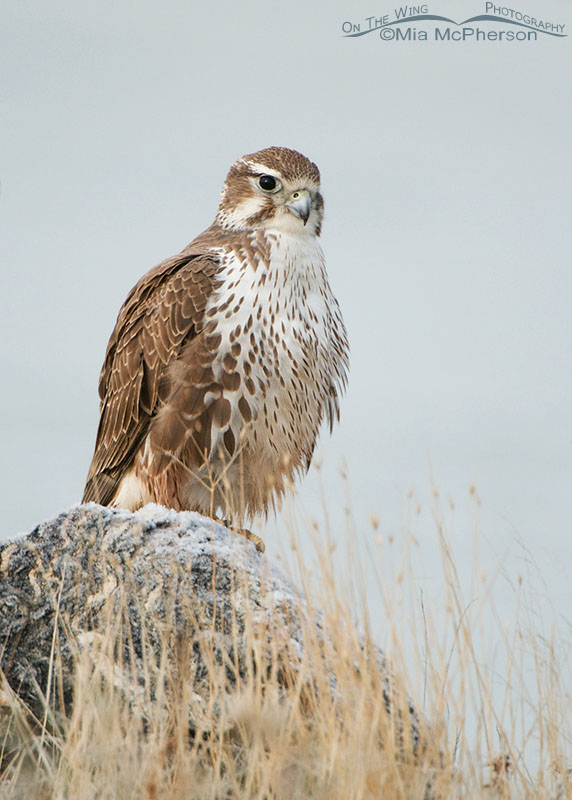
column 101, row 488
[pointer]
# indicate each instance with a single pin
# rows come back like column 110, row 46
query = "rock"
column 160, row 587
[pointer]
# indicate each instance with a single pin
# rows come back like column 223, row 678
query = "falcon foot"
column 252, row 537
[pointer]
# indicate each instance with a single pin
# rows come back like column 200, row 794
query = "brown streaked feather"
column 184, row 412
column 162, row 312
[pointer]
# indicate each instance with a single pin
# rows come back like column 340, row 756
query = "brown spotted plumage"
column 226, row 358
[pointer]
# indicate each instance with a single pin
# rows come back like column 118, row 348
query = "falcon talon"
column 226, row 358
column 252, row 537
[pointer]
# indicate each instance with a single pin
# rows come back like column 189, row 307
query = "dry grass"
column 278, row 736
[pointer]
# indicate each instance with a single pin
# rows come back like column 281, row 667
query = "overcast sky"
column 446, row 175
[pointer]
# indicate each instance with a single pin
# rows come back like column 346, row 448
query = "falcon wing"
column 162, row 313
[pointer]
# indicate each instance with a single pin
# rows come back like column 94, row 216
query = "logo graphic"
column 508, row 25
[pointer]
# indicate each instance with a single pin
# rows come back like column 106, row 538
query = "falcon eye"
column 269, row 183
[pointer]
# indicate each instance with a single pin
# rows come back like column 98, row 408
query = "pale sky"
column 446, row 174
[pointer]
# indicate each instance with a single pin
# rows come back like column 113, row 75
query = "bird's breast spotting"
column 273, row 313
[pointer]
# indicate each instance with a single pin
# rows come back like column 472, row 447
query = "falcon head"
column 274, row 189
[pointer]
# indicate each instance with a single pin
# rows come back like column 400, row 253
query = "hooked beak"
column 300, row 204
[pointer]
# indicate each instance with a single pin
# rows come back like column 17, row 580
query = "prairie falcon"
column 225, row 358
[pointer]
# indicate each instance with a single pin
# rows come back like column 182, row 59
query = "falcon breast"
column 226, row 358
